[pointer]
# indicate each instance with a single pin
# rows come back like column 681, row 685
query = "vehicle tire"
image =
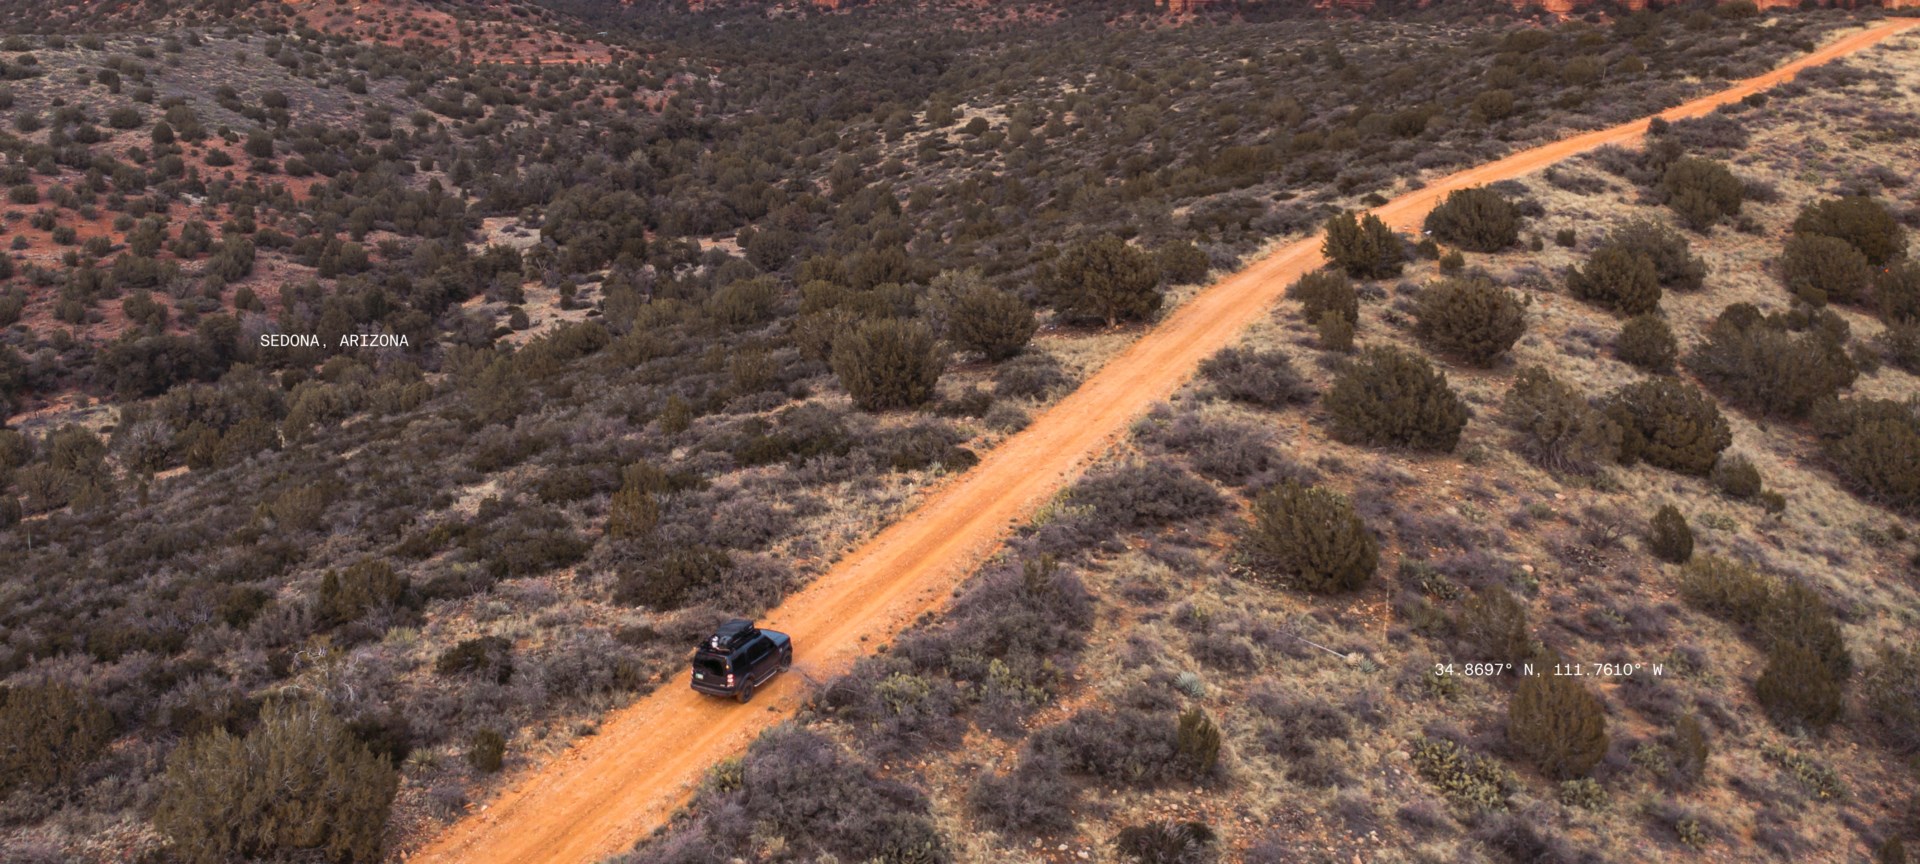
column 786, row 663
column 746, row 692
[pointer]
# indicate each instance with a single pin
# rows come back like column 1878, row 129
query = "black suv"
column 738, row 658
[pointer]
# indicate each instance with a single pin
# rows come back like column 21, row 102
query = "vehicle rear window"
column 710, row 665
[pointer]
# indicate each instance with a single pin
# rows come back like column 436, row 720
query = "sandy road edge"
column 607, row 791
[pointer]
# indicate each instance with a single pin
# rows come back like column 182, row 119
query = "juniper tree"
column 1388, row 397
column 1363, row 246
column 298, row 781
column 887, row 364
column 1311, row 538
column 1471, row 319
column 1668, row 536
column 1557, row 723
column 1476, row 219
column 1105, row 279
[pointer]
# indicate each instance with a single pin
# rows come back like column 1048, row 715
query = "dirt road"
column 609, row 790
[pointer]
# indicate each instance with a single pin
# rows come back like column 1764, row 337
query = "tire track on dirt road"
column 611, row 789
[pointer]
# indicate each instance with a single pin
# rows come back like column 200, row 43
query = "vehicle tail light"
column 729, row 680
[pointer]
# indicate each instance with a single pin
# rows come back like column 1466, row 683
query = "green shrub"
column 1310, row 538
column 1104, row 279
column 1701, row 192
column 1690, row 748
column 1388, row 397
column 1896, row 291
column 1899, row 345
column 1492, row 105
column 1760, row 364
column 1181, row 262
column 1735, row 476
column 1363, row 246
column 1324, row 291
column 1670, row 424
column 1471, row 319
column 368, row 584
column 1263, row 378
column 1493, row 623
column 1557, row 724
column 1477, row 219
column 1874, row 445
column 1336, row 333
column 1669, row 537
column 887, row 364
column 1197, row 740
column 1617, row 279
column 1726, row 589
column 490, row 657
column 1556, row 427
column 1797, row 690
column 633, row 512
column 48, row 733
column 1797, row 613
column 1820, row 269
column 667, row 580
column 1859, row 221
column 1166, row 843
column 991, row 321
column 1584, row 793
column 1673, row 261
column 1647, row 342
column 1471, row 781
column 299, row 780
column 1893, row 697
column 487, row 751
column 745, row 303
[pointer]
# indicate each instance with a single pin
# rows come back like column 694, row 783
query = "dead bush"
column 1256, row 377
column 1147, row 494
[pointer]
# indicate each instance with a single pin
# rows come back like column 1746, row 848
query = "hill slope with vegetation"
column 682, row 326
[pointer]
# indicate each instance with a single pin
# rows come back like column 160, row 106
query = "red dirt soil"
column 610, row 790
column 403, row 22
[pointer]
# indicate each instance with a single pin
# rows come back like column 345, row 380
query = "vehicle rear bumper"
column 714, row 689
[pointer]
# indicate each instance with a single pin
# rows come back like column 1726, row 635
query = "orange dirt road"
column 610, row 790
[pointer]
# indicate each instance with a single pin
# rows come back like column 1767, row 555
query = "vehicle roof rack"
column 732, row 634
